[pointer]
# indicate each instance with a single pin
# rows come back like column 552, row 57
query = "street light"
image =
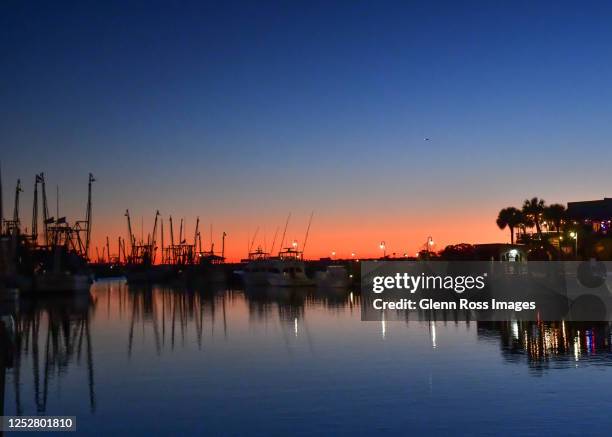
column 574, row 235
column 429, row 245
column 333, row 253
column 383, row 247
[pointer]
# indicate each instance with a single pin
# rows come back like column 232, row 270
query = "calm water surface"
column 278, row 362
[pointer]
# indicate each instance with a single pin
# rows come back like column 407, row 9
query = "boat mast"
column 274, row 240
column 195, row 234
column 285, row 232
column 162, row 240
column 132, row 238
column 35, row 211
column 153, row 248
column 307, row 231
column 16, row 208
column 171, row 233
column 253, row 241
column 45, row 209
column 88, row 216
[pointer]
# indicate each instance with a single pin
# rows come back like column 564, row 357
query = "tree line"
column 532, row 214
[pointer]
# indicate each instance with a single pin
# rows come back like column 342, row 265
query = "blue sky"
column 242, row 111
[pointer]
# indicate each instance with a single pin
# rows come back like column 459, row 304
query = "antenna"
column 307, row 231
column 285, row 231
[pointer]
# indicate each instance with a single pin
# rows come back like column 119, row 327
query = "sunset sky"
column 241, row 112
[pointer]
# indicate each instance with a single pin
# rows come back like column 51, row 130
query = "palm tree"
column 556, row 214
column 534, row 209
column 510, row 217
column 524, row 222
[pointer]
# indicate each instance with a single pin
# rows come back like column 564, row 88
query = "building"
column 598, row 213
column 500, row 252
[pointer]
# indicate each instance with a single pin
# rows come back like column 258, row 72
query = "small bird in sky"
column 425, row 139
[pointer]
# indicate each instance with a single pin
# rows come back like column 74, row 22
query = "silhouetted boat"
column 285, row 270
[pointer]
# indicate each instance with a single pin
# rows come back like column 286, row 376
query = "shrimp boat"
column 54, row 261
column 285, row 270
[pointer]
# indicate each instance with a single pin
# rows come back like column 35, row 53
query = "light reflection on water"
column 280, row 361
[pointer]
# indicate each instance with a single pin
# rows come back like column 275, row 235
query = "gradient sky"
column 240, row 112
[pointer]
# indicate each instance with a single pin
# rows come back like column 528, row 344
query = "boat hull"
column 275, row 273
column 56, row 283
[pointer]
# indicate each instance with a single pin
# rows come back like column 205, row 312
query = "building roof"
column 590, row 209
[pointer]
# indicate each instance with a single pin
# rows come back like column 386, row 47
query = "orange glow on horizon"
column 344, row 236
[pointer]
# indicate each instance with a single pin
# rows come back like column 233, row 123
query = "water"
column 169, row 361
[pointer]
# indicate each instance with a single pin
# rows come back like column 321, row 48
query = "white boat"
column 285, row 270
column 333, row 277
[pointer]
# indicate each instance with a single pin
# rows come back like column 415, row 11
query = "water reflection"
column 54, row 351
column 50, row 334
column 551, row 344
column 171, row 313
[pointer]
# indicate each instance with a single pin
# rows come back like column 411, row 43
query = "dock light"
column 294, row 244
column 573, row 234
column 333, row 253
column 383, row 247
column 513, row 252
column 431, row 242
column 352, row 254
